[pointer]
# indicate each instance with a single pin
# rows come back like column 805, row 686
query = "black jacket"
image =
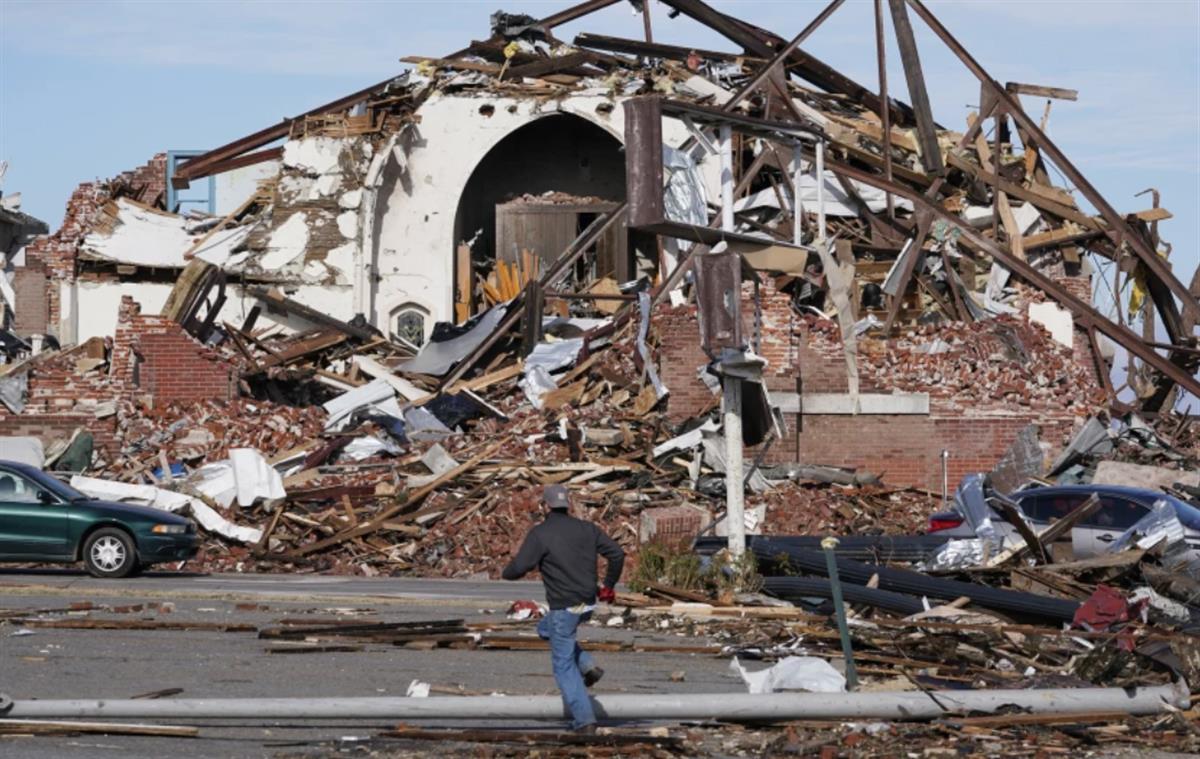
column 564, row 549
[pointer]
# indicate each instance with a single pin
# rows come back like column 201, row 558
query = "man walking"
column 564, row 549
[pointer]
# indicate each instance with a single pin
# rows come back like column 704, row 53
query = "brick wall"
column 805, row 356
column 150, row 359
column 30, row 315
column 153, row 356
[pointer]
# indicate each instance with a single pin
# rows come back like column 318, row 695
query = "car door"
column 33, row 522
column 1115, row 516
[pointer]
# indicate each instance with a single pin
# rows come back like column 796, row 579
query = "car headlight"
column 169, row 529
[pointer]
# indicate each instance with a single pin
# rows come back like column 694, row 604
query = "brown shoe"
column 588, row 729
column 592, row 676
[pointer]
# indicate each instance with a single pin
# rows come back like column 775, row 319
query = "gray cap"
column 555, row 496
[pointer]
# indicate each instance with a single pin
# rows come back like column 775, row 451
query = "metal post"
column 945, row 478
column 839, row 609
column 819, row 170
column 735, row 515
column 646, row 21
column 797, row 202
column 726, row 147
column 735, row 510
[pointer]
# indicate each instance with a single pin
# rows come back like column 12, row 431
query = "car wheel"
column 109, row 552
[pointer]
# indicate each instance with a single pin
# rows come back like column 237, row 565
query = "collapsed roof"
column 868, row 208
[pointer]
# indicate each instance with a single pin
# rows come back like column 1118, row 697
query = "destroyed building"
column 919, row 294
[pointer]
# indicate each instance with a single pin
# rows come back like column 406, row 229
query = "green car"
column 43, row 519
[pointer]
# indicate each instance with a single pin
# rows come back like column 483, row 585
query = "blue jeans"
column 569, row 662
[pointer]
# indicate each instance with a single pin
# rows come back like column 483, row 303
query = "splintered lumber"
column 136, row 624
column 526, row 736
column 47, row 727
column 409, row 504
column 1051, row 533
column 1013, row 516
column 1012, row 720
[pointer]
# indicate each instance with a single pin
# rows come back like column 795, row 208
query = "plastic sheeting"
column 367, row 446
column 166, row 500
column 536, row 379
column 377, row 395
column 971, row 503
column 684, row 199
column 437, row 358
column 1161, row 524
column 956, row 554
column 245, row 477
column 806, row 673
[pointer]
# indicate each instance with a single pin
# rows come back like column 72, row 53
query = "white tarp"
column 245, row 477
column 793, row 673
column 166, row 500
column 546, row 358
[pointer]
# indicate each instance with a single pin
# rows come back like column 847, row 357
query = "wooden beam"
column 931, row 154
column 1038, row 90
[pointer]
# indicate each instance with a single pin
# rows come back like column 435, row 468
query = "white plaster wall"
column 413, row 252
column 97, row 304
column 234, row 187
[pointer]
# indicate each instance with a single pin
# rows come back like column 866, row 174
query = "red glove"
column 607, row 595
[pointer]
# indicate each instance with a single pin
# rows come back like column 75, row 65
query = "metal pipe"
column 839, row 610
column 725, row 131
column 735, row 492
column 945, row 478
column 819, row 170
column 797, row 201
column 904, row 705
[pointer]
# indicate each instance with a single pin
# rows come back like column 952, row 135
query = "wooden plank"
column 58, row 727
column 464, row 283
column 1037, row 90
column 1051, row 533
column 569, row 63
column 1014, row 517
column 931, row 154
column 136, row 624
column 1012, row 720
column 1040, row 197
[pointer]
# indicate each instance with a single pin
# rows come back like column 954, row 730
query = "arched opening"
column 532, row 193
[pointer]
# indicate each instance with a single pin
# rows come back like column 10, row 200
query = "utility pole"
column 735, row 507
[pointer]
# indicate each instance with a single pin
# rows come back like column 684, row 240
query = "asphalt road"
column 51, row 663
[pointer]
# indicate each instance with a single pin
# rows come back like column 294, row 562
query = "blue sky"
column 88, row 89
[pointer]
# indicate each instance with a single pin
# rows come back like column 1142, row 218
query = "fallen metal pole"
column 839, row 608
column 903, row 705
